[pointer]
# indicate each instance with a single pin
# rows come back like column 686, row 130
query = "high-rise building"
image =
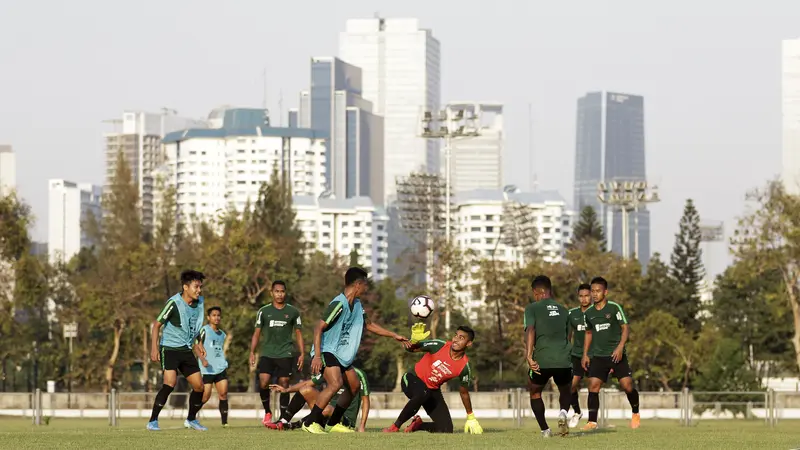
column 790, row 106
column 477, row 162
column 8, row 170
column 337, row 227
column 354, row 135
column 70, row 207
column 215, row 168
column 400, row 76
column 138, row 138
column 610, row 146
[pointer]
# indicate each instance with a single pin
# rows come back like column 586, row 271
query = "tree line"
column 114, row 290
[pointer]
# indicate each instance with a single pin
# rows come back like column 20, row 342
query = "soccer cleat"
column 225, row 425
column 153, row 426
column 194, row 425
column 415, row 425
column 391, row 429
column 563, row 430
column 547, row 433
column 314, row 428
column 267, row 419
column 635, row 421
column 574, row 420
column 276, row 426
column 590, row 426
column 339, row 428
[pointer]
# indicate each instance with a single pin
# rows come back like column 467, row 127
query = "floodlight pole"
column 627, row 196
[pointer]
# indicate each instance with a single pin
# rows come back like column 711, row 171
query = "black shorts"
column 431, row 400
column 577, row 368
column 560, row 376
column 180, row 360
column 213, row 379
column 276, row 367
column 329, row 360
column 601, row 366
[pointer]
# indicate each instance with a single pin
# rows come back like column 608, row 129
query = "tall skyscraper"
column 354, row 135
column 477, row 162
column 610, row 146
column 790, row 106
column 400, row 75
column 137, row 137
column 70, row 205
column 8, row 170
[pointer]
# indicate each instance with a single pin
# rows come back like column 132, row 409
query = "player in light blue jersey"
column 337, row 337
column 214, row 366
column 182, row 318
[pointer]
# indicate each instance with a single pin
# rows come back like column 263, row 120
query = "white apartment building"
column 336, row 227
column 477, row 162
column 138, row 137
column 481, row 215
column 790, row 106
column 70, row 205
column 400, row 66
column 213, row 169
column 8, row 170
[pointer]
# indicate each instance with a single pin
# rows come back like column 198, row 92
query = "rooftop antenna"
column 534, row 178
column 280, row 108
column 266, row 110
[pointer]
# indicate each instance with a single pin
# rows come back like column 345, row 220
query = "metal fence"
column 687, row 407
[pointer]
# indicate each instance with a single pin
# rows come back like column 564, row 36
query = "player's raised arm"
column 373, row 327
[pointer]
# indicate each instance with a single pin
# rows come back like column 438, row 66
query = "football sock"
column 265, row 399
column 594, row 405
column 575, row 402
column 336, row 415
column 633, row 398
column 160, row 401
column 295, row 405
column 564, row 396
column 537, row 405
column 316, row 416
column 284, row 402
column 223, row 411
column 195, row 403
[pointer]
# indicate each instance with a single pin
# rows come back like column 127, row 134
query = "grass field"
column 94, row 433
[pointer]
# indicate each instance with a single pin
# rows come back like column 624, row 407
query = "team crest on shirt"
column 286, row 316
column 608, row 316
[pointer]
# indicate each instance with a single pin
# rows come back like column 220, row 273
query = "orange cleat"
column 635, row 421
column 590, row 426
column 415, row 425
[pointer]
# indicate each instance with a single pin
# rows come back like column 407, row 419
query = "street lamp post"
column 70, row 333
column 448, row 124
column 627, row 196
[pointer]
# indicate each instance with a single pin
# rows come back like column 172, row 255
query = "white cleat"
column 547, row 433
column 574, row 420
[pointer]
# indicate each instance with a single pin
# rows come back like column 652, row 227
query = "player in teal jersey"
column 577, row 323
column 337, row 337
column 182, row 318
column 213, row 365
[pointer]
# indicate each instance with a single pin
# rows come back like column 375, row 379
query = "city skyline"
column 686, row 73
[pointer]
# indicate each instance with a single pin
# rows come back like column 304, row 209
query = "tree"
column 658, row 291
column 769, row 238
column 687, row 267
column 664, row 351
column 589, row 228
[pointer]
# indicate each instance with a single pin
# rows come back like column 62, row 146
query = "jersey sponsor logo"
column 552, row 307
column 439, row 369
column 581, row 327
column 277, row 323
column 553, row 313
column 602, row 326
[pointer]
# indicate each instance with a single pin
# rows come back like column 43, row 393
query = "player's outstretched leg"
column 295, row 405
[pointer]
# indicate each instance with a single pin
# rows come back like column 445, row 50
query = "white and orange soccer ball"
column 421, row 306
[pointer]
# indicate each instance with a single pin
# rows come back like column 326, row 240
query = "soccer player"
column 606, row 336
column 337, row 337
column 214, row 366
column 442, row 362
column 307, row 391
column 578, row 325
column 547, row 350
column 274, row 325
column 181, row 318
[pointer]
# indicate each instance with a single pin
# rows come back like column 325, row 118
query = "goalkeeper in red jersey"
column 442, row 362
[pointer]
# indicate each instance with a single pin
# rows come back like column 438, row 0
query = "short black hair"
column 470, row 332
column 212, row 309
column 543, row 282
column 584, row 286
column 601, row 281
column 278, row 283
column 353, row 275
column 187, row 276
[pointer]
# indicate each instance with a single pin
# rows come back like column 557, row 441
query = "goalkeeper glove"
column 472, row 426
column 418, row 332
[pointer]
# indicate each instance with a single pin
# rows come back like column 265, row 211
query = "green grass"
column 662, row 434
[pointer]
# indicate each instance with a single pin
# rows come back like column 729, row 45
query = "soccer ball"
column 421, row 307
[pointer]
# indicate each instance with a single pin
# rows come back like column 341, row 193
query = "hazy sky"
column 709, row 71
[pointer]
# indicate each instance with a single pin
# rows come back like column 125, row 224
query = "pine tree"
column 353, row 258
column 589, row 228
column 687, row 267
